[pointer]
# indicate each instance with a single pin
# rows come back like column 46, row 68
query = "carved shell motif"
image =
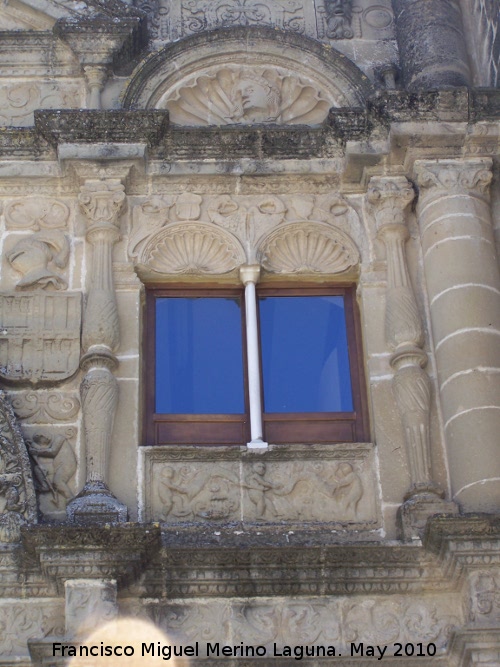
column 246, row 95
column 313, row 248
column 192, row 248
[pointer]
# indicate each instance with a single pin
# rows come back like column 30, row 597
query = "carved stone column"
column 463, row 284
column 431, row 43
column 389, row 198
column 101, row 201
column 249, row 275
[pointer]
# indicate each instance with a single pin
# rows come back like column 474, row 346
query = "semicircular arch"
column 247, row 75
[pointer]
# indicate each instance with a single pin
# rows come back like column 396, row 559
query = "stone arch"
column 200, row 79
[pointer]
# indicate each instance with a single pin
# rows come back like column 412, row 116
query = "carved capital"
column 389, row 198
column 250, row 273
column 101, row 201
column 454, row 176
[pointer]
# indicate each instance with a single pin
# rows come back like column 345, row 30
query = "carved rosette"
column 101, row 202
column 389, row 198
column 308, row 248
column 192, row 248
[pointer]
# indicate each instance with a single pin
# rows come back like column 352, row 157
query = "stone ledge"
column 83, row 126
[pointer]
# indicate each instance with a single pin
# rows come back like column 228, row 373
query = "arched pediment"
column 245, row 76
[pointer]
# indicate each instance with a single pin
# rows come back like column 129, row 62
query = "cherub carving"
column 258, row 486
column 53, row 479
column 32, row 256
column 339, row 16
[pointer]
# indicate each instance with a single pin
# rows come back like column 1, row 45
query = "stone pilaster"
column 389, row 198
column 463, row 284
column 101, row 202
column 431, row 44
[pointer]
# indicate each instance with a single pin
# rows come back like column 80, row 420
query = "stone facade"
column 224, row 145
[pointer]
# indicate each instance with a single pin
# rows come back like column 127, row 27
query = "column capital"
column 389, row 197
column 471, row 176
column 102, row 201
column 250, row 273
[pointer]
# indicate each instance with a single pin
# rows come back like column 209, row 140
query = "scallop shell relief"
column 244, row 96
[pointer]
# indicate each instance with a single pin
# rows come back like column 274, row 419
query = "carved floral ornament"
column 168, row 237
column 245, row 95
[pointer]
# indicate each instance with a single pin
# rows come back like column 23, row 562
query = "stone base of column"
column 414, row 512
column 96, row 504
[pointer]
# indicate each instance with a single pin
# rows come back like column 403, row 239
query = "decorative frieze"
column 309, row 621
column 39, row 407
column 307, row 486
column 216, row 234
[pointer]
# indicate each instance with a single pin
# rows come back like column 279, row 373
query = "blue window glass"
column 305, row 358
column 199, row 356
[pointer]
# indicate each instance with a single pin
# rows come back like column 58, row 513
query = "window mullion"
column 249, row 275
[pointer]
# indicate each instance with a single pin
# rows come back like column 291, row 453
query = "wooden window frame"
column 279, row 428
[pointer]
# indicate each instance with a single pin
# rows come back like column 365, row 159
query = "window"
column 197, row 381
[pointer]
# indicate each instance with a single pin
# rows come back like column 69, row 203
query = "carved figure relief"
column 17, row 496
column 196, row 494
column 331, row 491
column 35, row 256
column 36, row 214
column 39, row 336
column 239, row 94
column 303, row 492
column 54, row 465
column 339, row 17
column 36, row 407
